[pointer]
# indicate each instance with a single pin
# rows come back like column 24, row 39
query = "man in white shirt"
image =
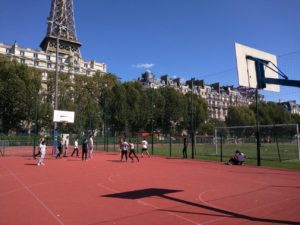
column 43, row 153
column 124, row 150
column 145, row 148
column 91, row 146
column 75, row 148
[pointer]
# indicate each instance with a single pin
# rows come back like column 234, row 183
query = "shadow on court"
column 158, row 192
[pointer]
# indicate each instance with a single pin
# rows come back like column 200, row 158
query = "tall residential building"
column 61, row 29
column 291, row 106
column 218, row 98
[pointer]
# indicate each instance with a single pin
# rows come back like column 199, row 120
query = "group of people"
column 88, row 148
column 238, row 158
column 62, row 144
column 124, row 146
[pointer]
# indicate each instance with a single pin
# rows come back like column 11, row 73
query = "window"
column 22, row 53
column 36, row 63
column 22, row 60
column 61, row 67
column 35, row 55
column 8, row 50
column 85, row 65
column 76, row 69
column 49, row 65
column 48, row 57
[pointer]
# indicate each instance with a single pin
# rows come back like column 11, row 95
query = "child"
column 43, row 153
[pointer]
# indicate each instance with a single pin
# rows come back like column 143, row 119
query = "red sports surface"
column 156, row 190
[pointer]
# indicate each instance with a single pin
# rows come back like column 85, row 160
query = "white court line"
column 110, row 178
column 240, row 212
column 36, row 197
column 144, row 203
column 11, row 191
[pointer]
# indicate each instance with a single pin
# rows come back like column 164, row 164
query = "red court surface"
column 155, row 191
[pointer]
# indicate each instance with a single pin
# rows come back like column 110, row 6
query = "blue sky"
column 184, row 38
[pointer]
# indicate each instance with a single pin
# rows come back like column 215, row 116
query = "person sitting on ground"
column 238, row 158
column 241, row 158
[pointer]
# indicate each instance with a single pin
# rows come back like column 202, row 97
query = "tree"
column 271, row 113
column 174, row 106
column 240, row 116
column 19, row 86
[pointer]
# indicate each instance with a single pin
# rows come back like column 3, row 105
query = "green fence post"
column 221, row 145
column 170, row 145
column 114, row 142
column 36, row 123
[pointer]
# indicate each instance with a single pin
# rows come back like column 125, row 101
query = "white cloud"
column 143, row 65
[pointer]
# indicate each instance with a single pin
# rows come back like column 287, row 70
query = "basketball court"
column 155, row 191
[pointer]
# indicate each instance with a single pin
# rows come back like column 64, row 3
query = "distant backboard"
column 246, row 67
column 63, row 116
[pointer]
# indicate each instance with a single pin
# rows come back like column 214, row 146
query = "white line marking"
column 240, row 212
column 144, row 203
column 37, row 198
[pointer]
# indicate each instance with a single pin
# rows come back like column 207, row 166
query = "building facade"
column 291, row 106
column 218, row 97
column 46, row 61
column 59, row 42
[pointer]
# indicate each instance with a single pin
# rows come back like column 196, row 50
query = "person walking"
column 91, row 146
column 39, row 150
column 84, row 149
column 184, row 150
column 42, row 155
column 132, row 151
column 145, row 148
column 75, row 148
column 124, row 150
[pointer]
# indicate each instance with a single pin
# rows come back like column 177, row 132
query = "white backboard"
column 63, row 116
column 246, row 67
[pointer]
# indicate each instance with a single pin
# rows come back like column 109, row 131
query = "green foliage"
column 271, row 113
column 19, row 86
column 103, row 101
column 240, row 116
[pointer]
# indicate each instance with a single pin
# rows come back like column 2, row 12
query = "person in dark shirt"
column 84, row 149
column 59, row 147
column 184, row 150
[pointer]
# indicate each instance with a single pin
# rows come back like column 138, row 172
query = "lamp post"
column 104, row 121
column 59, row 26
column 36, row 122
column 152, row 139
column 192, row 121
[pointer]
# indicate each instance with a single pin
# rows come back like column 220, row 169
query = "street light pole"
column 56, row 89
column 152, row 117
column 192, row 121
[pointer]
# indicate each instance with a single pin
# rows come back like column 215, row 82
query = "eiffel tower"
column 61, row 25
